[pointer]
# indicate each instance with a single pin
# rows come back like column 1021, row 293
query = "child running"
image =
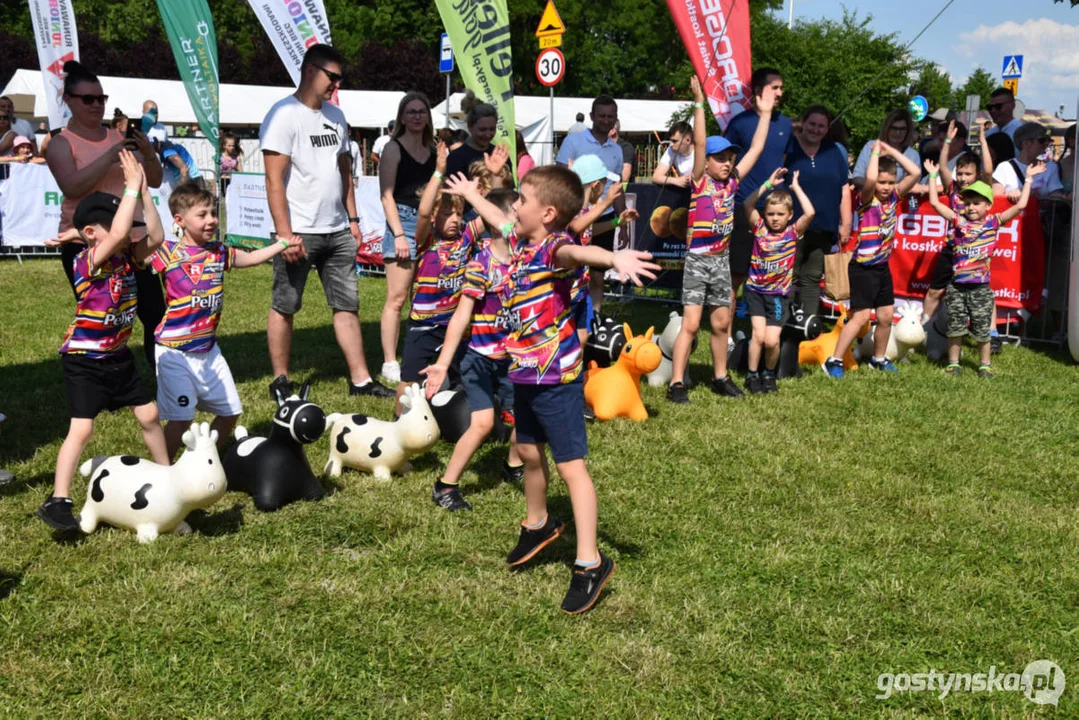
column 771, row 269
column 869, row 272
column 192, row 374
column 485, row 365
column 969, row 299
column 706, row 279
column 99, row 369
column 546, row 363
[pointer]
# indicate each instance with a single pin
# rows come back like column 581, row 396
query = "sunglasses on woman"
column 90, row 99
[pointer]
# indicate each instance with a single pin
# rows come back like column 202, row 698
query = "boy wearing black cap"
column 973, row 238
column 99, row 370
column 706, row 278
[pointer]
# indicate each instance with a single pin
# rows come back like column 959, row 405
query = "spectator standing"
column 232, row 159
column 629, row 153
column 1001, row 107
column 304, row 141
column 381, row 142
column 578, row 125
column 525, row 162
column 676, row 165
column 179, row 165
column 896, row 131
column 20, row 126
column 157, row 133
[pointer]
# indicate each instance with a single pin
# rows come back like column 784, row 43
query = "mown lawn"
column 775, row 555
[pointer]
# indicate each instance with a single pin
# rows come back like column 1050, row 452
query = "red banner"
column 716, row 36
column 1018, row 266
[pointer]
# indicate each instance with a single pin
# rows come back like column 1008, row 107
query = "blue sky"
column 980, row 32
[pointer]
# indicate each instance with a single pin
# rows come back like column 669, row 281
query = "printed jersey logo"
column 116, row 287
column 327, row 140
column 193, row 272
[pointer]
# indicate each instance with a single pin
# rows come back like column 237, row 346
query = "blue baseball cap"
column 590, row 168
column 717, row 144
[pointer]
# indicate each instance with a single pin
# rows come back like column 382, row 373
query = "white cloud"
column 1051, row 57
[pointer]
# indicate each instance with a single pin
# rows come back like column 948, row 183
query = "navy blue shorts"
column 775, row 309
column 423, row 343
column 484, row 378
column 552, row 414
column 583, row 312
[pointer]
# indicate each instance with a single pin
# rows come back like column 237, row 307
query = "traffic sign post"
column 1011, row 84
column 445, row 65
column 550, row 67
column 551, row 63
column 1012, row 67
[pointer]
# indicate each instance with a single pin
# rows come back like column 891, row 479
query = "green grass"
column 774, row 555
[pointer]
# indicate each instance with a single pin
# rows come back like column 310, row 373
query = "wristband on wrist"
column 934, row 176
column 436, row 175
column 128, row 192
column 875, row 153
column 767, row 185
column 283, row 243
column 699, row 106
column 354, row 220
column 616, row 222
column 947, row 140
column 399, row 235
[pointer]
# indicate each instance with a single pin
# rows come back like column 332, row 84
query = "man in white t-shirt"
column 1031, row 141
column 157, row 134
column 1001, row 108
column 304, row 141
column 20, row 126
column 676, row 165
column 381, row 143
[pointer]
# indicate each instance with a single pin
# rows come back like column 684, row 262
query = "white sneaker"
column 392, row 371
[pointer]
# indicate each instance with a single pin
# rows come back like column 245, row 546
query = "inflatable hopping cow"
column 129, row 492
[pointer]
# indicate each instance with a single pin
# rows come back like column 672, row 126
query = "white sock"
column 365, row 382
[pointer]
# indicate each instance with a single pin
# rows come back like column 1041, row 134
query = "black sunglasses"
column 995, row 106
column 334, row 77
column 90, row 99
column 5, row 117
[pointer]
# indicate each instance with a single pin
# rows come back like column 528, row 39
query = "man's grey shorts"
column 706, row 280
column 333, row 255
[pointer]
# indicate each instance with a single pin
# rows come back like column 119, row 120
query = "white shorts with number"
column 189, row 381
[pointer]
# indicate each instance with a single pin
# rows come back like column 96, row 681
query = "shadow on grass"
column 8, row 582
column 223, row 522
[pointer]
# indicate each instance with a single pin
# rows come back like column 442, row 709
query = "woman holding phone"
column 84, row 158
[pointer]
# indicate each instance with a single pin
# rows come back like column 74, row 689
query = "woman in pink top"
column 85, row 158
column 524, row 160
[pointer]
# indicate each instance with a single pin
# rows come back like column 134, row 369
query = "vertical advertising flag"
column 190, row 29
column 293, row 26
column 57, row 42
column 479, row 32
column 716, row 36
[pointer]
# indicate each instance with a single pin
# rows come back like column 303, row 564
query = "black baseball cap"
column 98, row 208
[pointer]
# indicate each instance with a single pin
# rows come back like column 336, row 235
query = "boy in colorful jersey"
column 99, row 370
column 446, row 245
column 771, row 269
column 966, row 172
column 869, row 272
column 970, row 300
column 191, row 371
column 545, row 362
column 706, row 278
column 485, row 365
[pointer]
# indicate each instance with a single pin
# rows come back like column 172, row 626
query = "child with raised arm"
column 99, row 370
column 970, row 300
column 966, row 172
column 192, row 374
column 546, row 363
column 869, row 272
column 706, row 278
column 485, row 365
column 771, row 269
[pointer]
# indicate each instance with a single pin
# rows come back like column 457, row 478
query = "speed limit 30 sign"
column 550, row 67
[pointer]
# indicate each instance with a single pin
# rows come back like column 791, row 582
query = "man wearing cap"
column 740, row 132
column 1001, row 108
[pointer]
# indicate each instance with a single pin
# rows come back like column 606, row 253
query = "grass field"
column 775, row 555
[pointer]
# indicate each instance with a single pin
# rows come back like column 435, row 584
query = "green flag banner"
column 479, row 32
column 194, row 44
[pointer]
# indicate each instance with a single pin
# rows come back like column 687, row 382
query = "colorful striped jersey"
column 486, row 278
column 972, row 248
column 955, row 199
column 440, row 273
column 580, row 282
column 105, row 307
column 542, row 343
column 711, row 215
column 876, row 230
column 194, row 290
column 771, row 265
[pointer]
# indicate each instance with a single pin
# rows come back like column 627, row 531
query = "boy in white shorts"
column 191, row 372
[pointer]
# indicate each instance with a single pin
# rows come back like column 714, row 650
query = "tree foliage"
column 979, row 83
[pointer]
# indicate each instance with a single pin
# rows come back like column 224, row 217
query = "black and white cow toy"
column 274, row 471
column 605, row 341
column 140, row 495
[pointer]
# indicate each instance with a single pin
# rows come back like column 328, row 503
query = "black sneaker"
column 984, row 372
column 6, row 477
column 725, row 386
column 676, row 393
column 56, row 512
column 995, row 344
column 373, row 389
column 532, row 541
column 281, row 384
column 754, row 386
column 449, row 497
column 586, row 585
column 513, row 474
column 768, row 381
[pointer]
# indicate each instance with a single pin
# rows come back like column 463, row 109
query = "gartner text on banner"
column 716, row 36
column 190, row 30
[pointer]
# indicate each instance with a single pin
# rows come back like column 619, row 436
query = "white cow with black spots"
column 129, row 492
column 381, row 447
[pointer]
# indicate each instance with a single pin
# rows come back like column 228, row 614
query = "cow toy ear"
column 306, row 389
column 188, row 439
column 279, row 397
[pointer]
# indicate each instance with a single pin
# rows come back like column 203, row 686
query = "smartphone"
column 132, row 126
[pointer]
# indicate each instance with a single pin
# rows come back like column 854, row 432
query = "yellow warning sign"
column 1012, row 84
column 550, row 23
column 550, row 41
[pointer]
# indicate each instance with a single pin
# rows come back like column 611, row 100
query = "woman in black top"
column 406, row 166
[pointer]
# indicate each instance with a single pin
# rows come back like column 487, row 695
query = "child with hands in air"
column 771, row 269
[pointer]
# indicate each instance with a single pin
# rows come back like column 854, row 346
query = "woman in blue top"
column 822, row 165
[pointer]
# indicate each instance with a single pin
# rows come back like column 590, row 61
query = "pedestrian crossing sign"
column 1013, row 67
